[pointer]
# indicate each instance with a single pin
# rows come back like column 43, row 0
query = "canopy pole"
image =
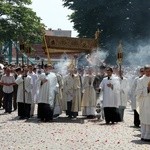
column 48, row 56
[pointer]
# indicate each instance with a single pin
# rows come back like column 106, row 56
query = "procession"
column 102, row 95
column 74, row 75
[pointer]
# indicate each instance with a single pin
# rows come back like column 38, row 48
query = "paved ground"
column 65, row 134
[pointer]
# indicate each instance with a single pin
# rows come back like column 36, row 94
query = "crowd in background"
column 101, row 91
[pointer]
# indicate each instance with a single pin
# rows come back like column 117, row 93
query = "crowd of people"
column 80, row 90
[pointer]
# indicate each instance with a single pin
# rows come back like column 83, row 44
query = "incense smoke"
column 95, row 59
column 62, row 65
column 141, row 57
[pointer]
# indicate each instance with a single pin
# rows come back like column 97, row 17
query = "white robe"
column 68, row 90
column 88, row 103
column 28, row 88
column 133, row 93
column 34, row 79
column 110, row 96
column 144, row 106
column 124, row 88
column 48, row 89
column 38, row 85
column 58, row 102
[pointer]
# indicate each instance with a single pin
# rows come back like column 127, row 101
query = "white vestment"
column 28, row 88
column 124, row 87
column 33, row 91
column 133, row 93
column 34, row 79
column 143, row 98
column 48, row 89
column 58, row 102
column 68, row 92
column 88, row 103
column 110, row 96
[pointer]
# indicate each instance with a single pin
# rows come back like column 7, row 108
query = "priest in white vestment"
column 88, row 103
column 143, row 97
column 24, row 97
column 110, row 87
column 76, row 102
column 134, row 103
column 124, row 88
column 33, row 91
column 47, row 94
column 58, row 102
column 68, row 92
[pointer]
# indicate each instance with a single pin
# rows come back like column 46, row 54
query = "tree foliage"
column 18, row 22
column 118, row 18
column 126, row 20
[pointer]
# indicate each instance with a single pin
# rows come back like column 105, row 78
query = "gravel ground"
column 66, row 134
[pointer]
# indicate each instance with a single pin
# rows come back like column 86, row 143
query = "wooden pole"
column 24, row 97
column 22, row 60
column 97, row 37
column 46, row 47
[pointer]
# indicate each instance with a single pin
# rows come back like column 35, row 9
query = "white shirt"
column 8, row 79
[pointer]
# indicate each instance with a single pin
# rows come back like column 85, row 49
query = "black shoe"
column 42, row 119
column 107, row 122
column 26, row 118
column 145, row 140
column 21, row 118
column 48, row 120
column 74, row 118
column 137, row 126
column 90, row 117
column 56, row 115
column 69, row 117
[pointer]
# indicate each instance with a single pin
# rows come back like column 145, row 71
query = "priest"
column 47, row 94
column 143, row 98
column 110, row 88
column 24, row 97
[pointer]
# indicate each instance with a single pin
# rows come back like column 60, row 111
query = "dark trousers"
column 15, row 97
column 136, row 119
column 1, row 96
column 24, row 110
column 45, row 112
column 121, row 112
column 8, row 102
column 111, row 114
column 69, row 113
column 39, row 110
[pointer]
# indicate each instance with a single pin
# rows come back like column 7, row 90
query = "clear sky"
column 53, row 14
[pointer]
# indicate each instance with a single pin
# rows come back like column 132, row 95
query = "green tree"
column 18, row 22
column 126, row 20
